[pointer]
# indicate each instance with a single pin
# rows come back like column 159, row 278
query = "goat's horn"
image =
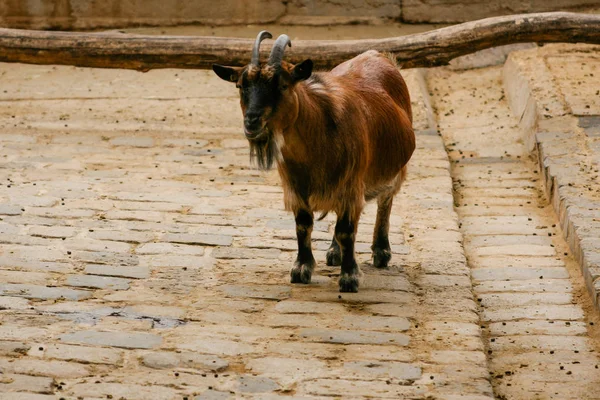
column 278, row 49
column 256, row 49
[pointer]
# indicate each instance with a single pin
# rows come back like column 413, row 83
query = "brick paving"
column 142, row 257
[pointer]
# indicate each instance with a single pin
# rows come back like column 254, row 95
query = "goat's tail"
column 323, row 215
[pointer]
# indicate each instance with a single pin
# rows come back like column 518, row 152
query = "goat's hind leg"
column 334, row 255
column 305, row 262
column 345, row 235
column 382, row 252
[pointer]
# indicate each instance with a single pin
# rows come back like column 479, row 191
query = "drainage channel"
column 537, row 323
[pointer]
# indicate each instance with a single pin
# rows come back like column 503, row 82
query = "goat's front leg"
column 305, row 262
column 345, row 234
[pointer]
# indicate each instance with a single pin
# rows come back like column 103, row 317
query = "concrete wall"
column 86, row 14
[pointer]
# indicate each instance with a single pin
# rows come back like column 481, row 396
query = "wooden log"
column 146, row 52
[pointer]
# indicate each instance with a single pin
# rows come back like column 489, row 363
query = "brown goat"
column 339, row 138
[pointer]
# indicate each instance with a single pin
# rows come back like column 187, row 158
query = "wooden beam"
column 146, row 52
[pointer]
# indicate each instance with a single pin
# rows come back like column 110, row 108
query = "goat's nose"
column 252, row 120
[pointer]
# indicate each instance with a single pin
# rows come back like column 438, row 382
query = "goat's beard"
column 263, row 150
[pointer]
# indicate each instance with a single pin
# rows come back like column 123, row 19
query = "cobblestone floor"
column 142, row 258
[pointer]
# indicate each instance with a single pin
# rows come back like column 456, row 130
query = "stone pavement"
column 141, row 257
column 526, row 283
column 555, row 91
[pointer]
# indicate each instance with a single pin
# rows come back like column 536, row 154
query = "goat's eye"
column 283, row 88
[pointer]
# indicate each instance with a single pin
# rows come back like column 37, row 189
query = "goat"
column 339, row 139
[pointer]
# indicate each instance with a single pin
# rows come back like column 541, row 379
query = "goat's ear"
column 302, row 71
column 229, row 74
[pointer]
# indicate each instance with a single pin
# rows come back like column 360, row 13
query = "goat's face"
column 265, row 90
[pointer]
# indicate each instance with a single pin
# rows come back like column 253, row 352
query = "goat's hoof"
column 381, row 257
column 349, row 283
column 301, row 273
column 334, row 258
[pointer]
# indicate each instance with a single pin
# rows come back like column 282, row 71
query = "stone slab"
column 127, row 340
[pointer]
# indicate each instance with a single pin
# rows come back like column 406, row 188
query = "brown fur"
column 346, row 135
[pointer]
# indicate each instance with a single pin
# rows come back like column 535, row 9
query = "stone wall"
column 87, row 14
column 462, row 10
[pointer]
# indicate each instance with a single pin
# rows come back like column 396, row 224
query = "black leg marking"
column 334, row 256
column 345, row 233
column 382, row 252
column 305, row 262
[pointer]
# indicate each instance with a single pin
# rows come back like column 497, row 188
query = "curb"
column 552, row 133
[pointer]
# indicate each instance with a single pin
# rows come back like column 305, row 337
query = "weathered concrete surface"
column 144, row 258
column 539, row 327
column 81, row 14
column 69, row 14
column 555, row 89
column 84, row 14
column 385, row 9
